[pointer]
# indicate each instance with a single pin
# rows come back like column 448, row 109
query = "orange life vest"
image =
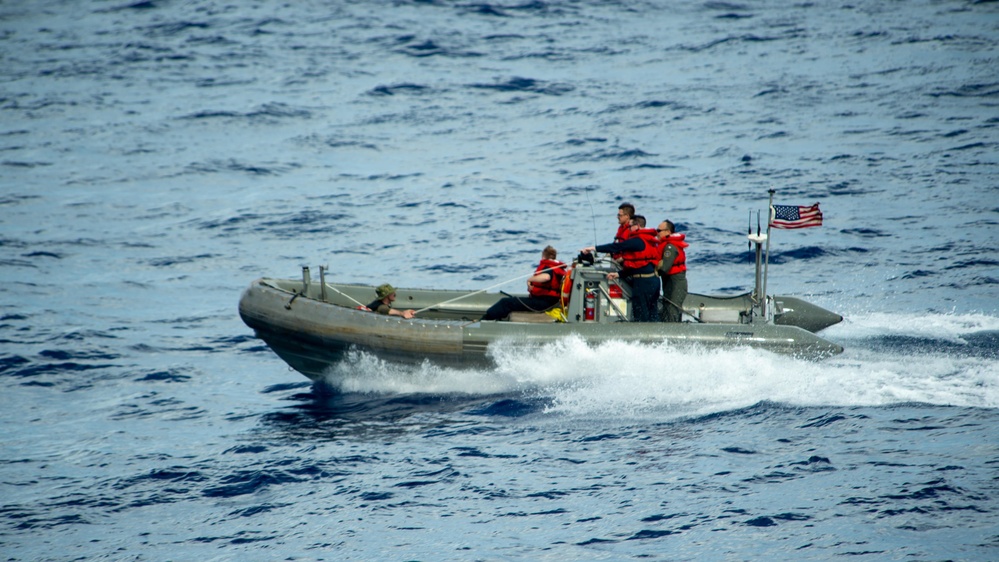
column 623, row 233
column 650, row 255
column 680, row 262
column 567, row 287
column 553, row 287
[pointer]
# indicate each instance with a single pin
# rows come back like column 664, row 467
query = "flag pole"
column 766, row 266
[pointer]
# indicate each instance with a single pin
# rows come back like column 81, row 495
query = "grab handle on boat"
column 613, row 304
column 685, row 311
column 322, row 283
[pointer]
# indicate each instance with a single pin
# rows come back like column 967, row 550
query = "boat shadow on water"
column 318, row 411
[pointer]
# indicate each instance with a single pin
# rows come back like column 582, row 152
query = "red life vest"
column 623, row 233
column 650, row 255
column 680, row 262
column 552, row 287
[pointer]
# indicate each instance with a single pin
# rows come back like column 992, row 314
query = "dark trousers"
column 644, row 298
column 506, row 305
column 674, row 293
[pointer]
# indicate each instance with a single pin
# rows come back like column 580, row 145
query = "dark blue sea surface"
column 157, row 156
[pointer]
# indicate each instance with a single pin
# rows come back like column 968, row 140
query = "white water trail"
column 625, row 379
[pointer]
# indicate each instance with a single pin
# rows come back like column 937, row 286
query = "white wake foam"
column 625, row 379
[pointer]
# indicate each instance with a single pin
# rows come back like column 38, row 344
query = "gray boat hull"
column 313, row 326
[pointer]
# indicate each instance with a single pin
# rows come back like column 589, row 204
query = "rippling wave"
column 155, row 157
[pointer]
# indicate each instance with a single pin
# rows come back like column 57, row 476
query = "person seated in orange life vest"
column 640, row 252
column 545, row 288
column 383, row 304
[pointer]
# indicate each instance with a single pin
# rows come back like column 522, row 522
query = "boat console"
column 593, row 298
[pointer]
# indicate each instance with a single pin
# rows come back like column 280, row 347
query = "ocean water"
column 156, row 156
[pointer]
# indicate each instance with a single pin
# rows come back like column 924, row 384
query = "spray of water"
column 626, row 379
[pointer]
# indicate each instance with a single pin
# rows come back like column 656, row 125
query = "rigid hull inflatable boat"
column 313, row 324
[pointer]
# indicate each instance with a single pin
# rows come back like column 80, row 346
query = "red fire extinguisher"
column 589, row 307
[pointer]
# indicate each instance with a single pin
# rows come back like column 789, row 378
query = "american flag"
column 793, row 216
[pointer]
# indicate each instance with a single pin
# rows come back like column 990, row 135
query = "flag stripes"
column 794, row 216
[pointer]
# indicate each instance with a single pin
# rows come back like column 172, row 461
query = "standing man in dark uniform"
column 640, row 253
column 625, row 212
column 672, row 268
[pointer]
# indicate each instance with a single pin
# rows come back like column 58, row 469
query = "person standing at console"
column 672, row 268
column 639, row 254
